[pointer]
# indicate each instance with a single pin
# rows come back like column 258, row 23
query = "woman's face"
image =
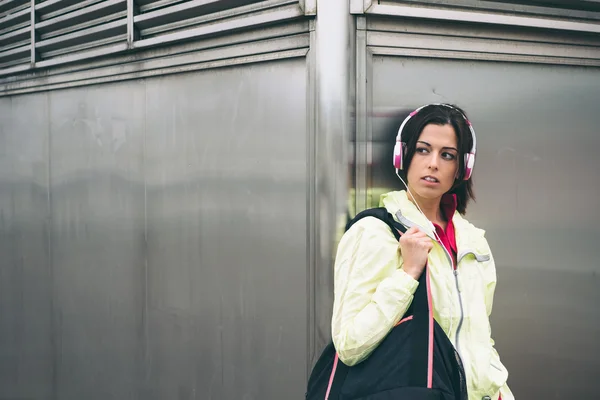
column 433, row 168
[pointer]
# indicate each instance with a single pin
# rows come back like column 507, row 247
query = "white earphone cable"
column 419, row 208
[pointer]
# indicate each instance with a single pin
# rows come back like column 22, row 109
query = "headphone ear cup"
column 469, row 164
column 399, row 155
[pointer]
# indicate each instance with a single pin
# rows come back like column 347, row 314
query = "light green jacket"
column 372, row 293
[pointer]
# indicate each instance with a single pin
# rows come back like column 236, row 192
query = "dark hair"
column 442, row 115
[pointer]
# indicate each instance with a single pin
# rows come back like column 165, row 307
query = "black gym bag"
column 415, row 361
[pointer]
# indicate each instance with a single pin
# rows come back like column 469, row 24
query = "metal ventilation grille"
column 69, row 27
column 161, row 16
column 44, row 33
column 15, row 33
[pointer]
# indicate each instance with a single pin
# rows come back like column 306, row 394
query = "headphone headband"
column 400, row 147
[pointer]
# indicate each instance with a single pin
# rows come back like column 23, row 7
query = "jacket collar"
column 397, row 203
column 404, row 210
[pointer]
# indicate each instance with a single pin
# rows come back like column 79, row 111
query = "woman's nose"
column 433, row 161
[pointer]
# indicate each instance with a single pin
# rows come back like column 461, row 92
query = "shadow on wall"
column 381, row 175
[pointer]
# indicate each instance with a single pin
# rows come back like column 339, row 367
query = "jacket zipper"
column 460, row 322
column 406, row 222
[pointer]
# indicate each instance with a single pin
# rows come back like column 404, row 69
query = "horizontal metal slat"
column 491, row 18
column 21, row 62
column 479, row 45
column 584, row 5
column 576, row 9
column 232, row 24
column 16, row 27
column 16, row 18
column 83, row 55
column 11, row 6
column 185, row 11
column 93, row 45
column 65, row 7
column 84, row 25
column 50, row 6
column 149, row 5
column 15, row 36
column 15, row 54
column 221, row 15
column 12, row 45
column 101, row 10
column 99, row 32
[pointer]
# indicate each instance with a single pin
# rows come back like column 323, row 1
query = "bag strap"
column 381, row 214
column 422, row 320
column 422, row 338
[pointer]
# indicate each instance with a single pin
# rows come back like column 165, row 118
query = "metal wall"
column 169, row 235
column 26, row 294
column 153, row 238
column 538, row 195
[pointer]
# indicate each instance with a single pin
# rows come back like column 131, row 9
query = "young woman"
column 376, row 277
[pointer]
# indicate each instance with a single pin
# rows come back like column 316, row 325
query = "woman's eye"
column 448, row 156
column 421, row 150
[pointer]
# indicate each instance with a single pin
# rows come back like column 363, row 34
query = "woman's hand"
column 415, row 247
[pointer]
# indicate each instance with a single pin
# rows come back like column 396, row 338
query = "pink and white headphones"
column 400, row 147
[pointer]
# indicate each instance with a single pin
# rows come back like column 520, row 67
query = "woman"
column 376, row 277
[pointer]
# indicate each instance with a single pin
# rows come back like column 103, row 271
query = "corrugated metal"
column 579, row 9
column 205, row 6
column 15, row 35
column 67, row 31
column 166, row 16
column 69, row 27
column 585, row 5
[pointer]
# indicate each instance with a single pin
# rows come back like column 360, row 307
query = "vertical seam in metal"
column 145, row 317
column 311, row 209
column 360, row 143
column 369, row 121
column 53, row 333
column 32, row 29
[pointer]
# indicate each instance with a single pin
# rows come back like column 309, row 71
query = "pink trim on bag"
column 404, row 320
column 335, row 363
column 430, row 355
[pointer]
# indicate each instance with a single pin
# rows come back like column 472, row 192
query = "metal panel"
column 566, row 8
column 587, row 5
column 26, row 339
column 537, row 185
column 97, row 204
column 227, row 219
column 270, row 43
column 483, row 47
column 491, row 17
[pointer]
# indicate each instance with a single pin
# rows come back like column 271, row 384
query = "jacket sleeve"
column 497, row 367
column 371, row 291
